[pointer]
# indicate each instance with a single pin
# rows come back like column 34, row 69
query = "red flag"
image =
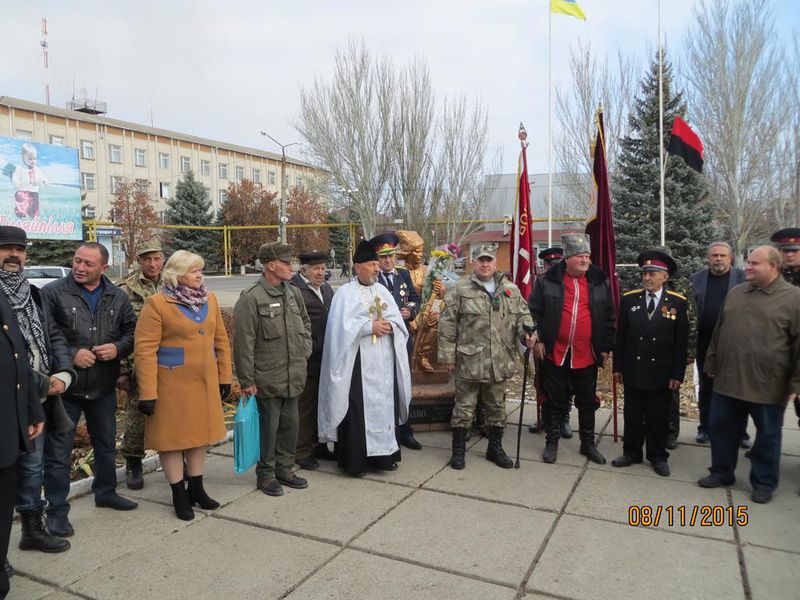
column 684, row 143
column 601, row 227
column 521, row 232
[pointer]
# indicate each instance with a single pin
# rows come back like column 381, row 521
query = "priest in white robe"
column 365, row 381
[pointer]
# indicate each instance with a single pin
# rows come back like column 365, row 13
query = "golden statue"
column 426, row 326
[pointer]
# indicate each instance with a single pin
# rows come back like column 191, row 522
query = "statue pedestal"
column 433, row 396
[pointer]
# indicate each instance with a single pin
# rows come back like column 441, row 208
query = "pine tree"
column 688, row 211
column 192, row 206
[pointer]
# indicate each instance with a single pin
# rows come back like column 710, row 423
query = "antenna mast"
column 43, row 44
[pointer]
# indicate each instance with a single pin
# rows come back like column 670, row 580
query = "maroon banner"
column 521, row 231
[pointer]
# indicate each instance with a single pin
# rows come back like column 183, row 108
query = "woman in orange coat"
column 182, row 359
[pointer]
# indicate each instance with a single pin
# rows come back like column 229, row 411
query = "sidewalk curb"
column 149, row 464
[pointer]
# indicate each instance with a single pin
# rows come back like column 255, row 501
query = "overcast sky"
column 226, row 70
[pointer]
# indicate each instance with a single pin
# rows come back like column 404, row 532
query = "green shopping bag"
column 246, row 435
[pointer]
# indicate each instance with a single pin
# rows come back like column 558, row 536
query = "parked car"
column 40, row 276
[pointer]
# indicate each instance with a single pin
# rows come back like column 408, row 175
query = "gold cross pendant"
column 376, row 311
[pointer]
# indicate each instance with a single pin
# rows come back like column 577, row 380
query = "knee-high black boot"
column 586, row 431
column 552, row 426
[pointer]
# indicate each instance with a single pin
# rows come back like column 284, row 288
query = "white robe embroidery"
column 349, row 330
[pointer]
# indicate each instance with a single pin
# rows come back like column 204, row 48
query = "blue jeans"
column 726, row 420
column 101, row 422
column 30, row 470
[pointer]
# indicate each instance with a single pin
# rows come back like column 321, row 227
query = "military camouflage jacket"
column 481, row 333
column 138, row 288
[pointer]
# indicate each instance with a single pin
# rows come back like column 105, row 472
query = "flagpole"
column 661, row 122
column 549, row 127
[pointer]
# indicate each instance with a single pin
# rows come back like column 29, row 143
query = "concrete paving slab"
column 357, row 575
column 416, row 467
column 534, row 484
column 436, row 529
column 773, row 525
column 222, row 450
column 332, row 508
column 606, row 495
column 772, row 574
column 686, row 463
column 23, row 588
column 219, row 480
column 233, row 561
column 596, row 560
column 64, row 596
column 791, row 442
column 98, row 539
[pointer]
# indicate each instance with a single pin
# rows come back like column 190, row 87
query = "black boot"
column 586, row 432
column 8, row 568
column 459, row 448
column 551, row 419
column 180, row 500
column 36, row 537
column 494, row 451
column 566, row 429
column 197, row 494
column 133, row 473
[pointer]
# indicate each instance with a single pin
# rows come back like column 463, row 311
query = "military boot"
column 133, row 473
column 552, row 421
column 586, row 432
column 495, row 452
column 459, row 448
column 566, row 429
column 36, row 537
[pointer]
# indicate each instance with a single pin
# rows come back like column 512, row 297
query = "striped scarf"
column 18, row 291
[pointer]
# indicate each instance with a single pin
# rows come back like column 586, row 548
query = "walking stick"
column 522, row 400
column 614, row 402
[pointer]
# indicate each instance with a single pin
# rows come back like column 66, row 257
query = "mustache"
column 12, row 260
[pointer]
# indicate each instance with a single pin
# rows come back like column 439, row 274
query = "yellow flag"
column 567, row 7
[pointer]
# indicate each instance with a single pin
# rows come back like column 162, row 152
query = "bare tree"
column 737, row 91
column 463, row 184
column 592, row 85
column 132, row 208
column 413, row 181
column 346, row 123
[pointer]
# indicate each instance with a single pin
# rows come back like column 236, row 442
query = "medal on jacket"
column 377, row 309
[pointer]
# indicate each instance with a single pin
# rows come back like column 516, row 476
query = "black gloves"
column 147, row 407
column 224, row 390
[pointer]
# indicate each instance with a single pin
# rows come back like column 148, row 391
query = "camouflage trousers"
column 133, row 440
column 492, row 395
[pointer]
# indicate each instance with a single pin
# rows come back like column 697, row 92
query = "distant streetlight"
column 282, row 218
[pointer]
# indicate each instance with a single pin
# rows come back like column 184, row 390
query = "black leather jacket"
column 113, row 322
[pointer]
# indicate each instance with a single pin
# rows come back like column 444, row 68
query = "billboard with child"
column 40, row 189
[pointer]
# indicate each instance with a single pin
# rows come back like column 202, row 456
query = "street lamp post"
column 282, row 218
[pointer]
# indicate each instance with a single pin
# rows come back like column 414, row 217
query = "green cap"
column 149, row 246
column 485, row 250
column 275, row 251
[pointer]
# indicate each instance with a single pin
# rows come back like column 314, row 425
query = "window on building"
column 163, row 160
column 23, row 135
column 298, row 181
column 140, row 157
column 223, row 170
column 115, row 181
column 223, row 196
column 205, row 167
column 256, row 175
column 87, row 182
column 186, row 164
column 57, row 140
column 114, row 153
column 271, row 177
column 164, row 190
column 143, row 182
column 87, row 150
column 239, row 173
column 89, row 212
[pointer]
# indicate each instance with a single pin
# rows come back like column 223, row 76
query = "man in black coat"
column 398, row 281
column 573, row 311
column 21, row 419
column 52, row 372
column 98, row 321
column 710, row 286
column 317, row 295
column 650, row 360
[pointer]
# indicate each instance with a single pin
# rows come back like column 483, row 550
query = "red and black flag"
column 685, row 143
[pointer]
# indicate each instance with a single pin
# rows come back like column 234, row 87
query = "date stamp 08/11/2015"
column 705, row 515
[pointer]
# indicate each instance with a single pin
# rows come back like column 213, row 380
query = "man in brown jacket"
column 754, row 360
